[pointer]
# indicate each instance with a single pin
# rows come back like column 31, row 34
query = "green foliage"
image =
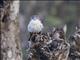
column 53, row 21
column 70, row 12
column 53, row 11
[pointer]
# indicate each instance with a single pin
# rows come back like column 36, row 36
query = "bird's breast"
column 35, row 26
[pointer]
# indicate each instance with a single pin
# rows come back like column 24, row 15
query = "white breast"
column 35, row 26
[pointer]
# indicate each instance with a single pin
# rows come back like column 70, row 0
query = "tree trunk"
column 10, row 42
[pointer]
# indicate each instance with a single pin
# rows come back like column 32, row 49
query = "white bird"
column 35, row 25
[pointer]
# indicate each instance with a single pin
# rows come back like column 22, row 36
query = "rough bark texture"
column 10, row 42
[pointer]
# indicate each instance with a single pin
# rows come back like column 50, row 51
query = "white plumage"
column 35, row 25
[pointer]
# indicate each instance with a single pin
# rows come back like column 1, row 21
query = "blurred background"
column 56, row 13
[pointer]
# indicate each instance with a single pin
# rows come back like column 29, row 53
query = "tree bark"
column 10, row 42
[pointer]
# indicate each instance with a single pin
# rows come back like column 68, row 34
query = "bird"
column 35, row 25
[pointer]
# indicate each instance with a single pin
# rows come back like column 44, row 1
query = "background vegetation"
column 55, row 12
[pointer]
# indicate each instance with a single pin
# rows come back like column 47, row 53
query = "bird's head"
column 37, row 17
column 34, row 17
